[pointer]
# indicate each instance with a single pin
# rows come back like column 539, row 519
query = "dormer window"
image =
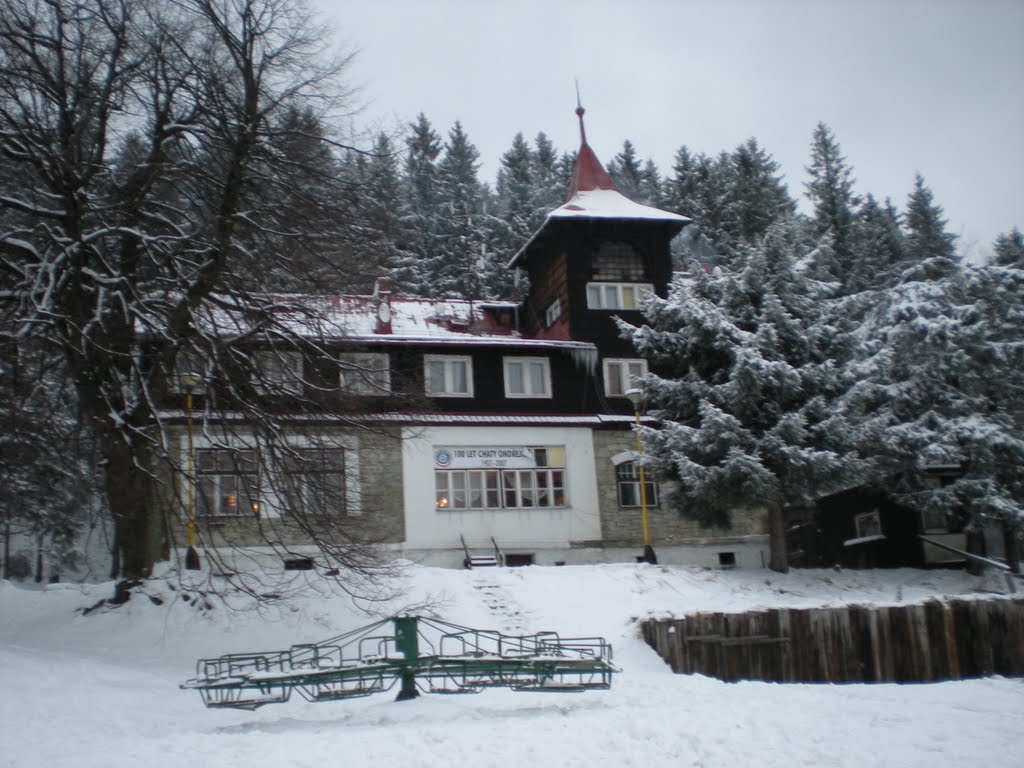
column 616, row 295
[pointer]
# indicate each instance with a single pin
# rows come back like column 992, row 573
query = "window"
column 618, row 261
column 500, row 478
column 448, row 376
column 616, row 295
column 313, row 482
column 365, row 373
column 868, row 524
column 227, row 482
column 552, row 313
column 622, row 375
column 527, row 377
column 627, row 476
column 278, row 372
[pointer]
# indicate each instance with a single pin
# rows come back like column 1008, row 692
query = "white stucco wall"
column 430, row 528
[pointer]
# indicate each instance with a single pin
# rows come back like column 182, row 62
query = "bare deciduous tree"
column 153, row 179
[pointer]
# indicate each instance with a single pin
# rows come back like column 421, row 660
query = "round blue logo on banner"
column 442, row 458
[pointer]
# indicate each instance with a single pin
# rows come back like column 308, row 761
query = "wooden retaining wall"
column 936, row 640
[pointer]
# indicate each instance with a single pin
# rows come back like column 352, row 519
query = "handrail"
column 498, row 557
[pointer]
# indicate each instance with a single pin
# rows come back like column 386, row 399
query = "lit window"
column 552, row 313
column 448, row 376
column 227, row 482
column 527, row 377
column 314, row 482
column 627, row 476
column 277, row 372
column 616, row 295
column 622, row 375
column 365, row 373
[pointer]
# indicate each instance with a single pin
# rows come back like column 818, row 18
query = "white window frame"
column 552, row 313
column 529, row 388
column 278, row 371
column 365, row 373
column 616, row 296
column 447, row 362
column 617, row 371
column 627, row 482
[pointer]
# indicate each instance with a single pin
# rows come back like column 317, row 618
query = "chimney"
column 382, row 300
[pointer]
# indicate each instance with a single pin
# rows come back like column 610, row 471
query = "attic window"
column 618, row 261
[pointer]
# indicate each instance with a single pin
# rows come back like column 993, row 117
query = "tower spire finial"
column 579, row 113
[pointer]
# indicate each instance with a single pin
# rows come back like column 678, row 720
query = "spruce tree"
column 419, row 219
column 930, row 249
column 650, row 190
column 627, row 172
column 755, row 196
column 878, row 247
column 1008, row 249
column 830, row 190
column 548, row 179
column 940, row 386
column 515, row 182
column 745, row 387
column 461, row 261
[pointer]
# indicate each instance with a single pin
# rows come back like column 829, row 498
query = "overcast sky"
column 935, row 86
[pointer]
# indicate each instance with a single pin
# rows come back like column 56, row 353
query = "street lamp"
column 189, row 381
column 636, row 397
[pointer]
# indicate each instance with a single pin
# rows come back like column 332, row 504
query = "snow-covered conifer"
column 930, row 250
column 744, row 389
column 830, row 190
column 1009, row 249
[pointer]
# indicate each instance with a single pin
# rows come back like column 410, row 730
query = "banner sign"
column 484, row 457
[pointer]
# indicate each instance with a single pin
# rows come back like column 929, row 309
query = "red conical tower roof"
column 593, row 196
column 589, row 174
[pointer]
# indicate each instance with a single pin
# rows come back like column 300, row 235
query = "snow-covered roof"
column 610, row 204
column 357, row 319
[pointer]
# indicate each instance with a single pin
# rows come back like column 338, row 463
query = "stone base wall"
column 376, row 500
column 621, row 526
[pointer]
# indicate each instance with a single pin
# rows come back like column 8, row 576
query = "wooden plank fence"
column 931, row 641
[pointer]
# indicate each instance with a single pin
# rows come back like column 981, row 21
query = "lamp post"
column 636, row 397
column 189, row 381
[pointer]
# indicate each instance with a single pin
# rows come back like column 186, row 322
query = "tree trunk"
column 779, row 558
column 131, row 494
column 1011, row 547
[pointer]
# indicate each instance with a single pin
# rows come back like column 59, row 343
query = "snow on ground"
column 102, row 690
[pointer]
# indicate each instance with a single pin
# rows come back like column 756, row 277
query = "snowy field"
column 102, row 689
